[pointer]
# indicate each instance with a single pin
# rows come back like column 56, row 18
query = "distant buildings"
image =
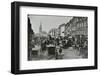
column 54, row 32
column 59, row 31
column 76, row 26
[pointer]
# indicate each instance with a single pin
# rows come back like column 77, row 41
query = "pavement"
column 69, row 53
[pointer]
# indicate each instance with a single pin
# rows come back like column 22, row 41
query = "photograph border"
column 15, row 37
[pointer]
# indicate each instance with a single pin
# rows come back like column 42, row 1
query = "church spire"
column 40, row 28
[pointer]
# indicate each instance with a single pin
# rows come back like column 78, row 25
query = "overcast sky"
column 48, row 22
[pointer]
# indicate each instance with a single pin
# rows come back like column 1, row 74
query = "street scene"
column 53, row 37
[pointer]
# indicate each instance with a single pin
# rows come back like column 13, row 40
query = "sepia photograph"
column 52, row 37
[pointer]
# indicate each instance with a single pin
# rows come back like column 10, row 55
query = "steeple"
column 40, row 28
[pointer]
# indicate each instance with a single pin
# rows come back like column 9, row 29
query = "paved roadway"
column 69, row 53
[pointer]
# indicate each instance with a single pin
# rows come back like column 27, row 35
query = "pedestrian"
column 56, row 54
column 60, row 55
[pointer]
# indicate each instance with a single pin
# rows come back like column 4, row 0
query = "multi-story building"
column 54, row 32
column 30, row 36
column 77, row 26
column 62, row 29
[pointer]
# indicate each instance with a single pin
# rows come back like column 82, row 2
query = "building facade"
column 62, row 29
column 54, row 32
column 77, row 26
column 30, row 36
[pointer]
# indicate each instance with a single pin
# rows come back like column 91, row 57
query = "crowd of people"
column 77, row 42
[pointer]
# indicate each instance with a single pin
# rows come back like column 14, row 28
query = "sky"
column 48, row 21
